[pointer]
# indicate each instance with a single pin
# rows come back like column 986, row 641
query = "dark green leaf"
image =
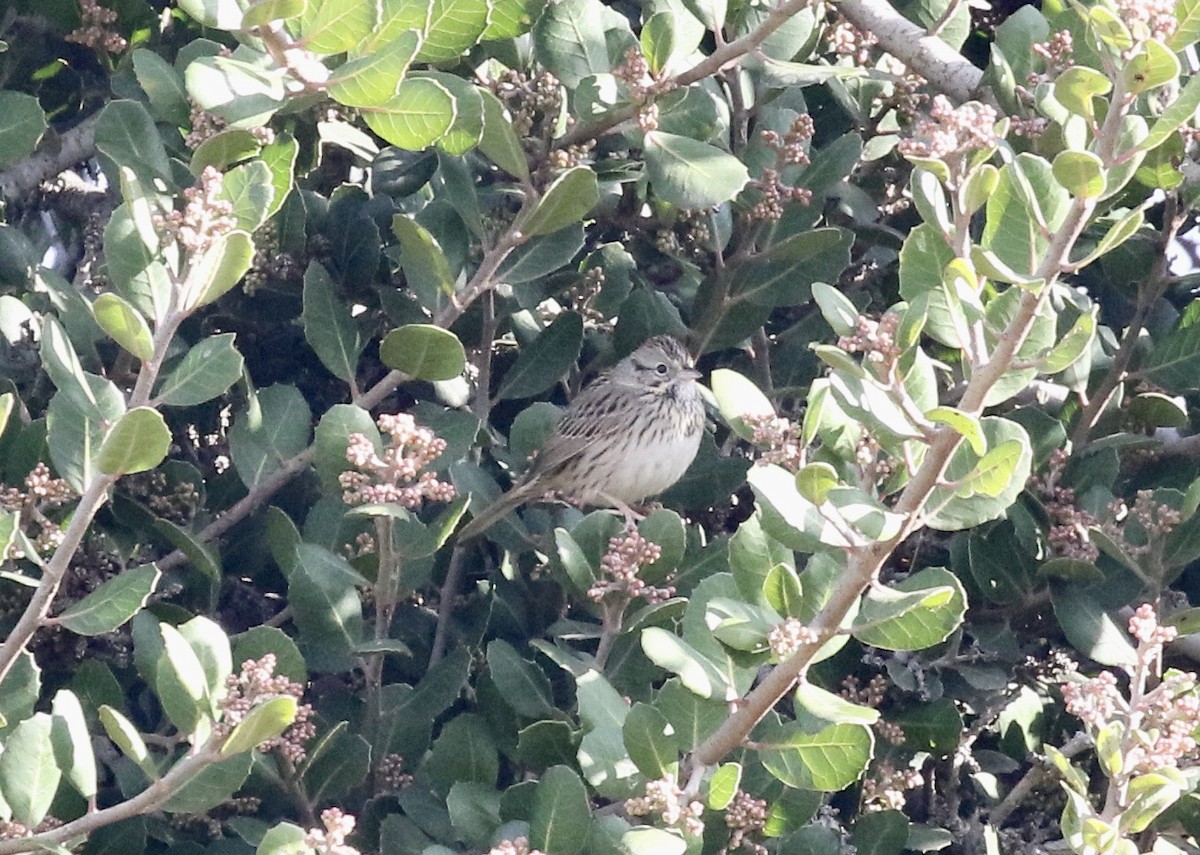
column 113, row 603
column 543, row 362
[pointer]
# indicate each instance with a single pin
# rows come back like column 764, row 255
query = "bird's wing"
column 595, row 412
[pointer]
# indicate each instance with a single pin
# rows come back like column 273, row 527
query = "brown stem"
column 450, row 587
column 1149, row 292
column 864, row 563
column 148, row 800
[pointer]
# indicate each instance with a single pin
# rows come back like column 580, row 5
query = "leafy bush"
column 313, row 285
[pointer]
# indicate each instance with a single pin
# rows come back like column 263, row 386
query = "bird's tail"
column 496, row 511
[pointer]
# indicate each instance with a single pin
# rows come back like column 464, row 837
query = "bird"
column 630, row 434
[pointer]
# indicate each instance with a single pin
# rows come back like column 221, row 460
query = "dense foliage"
column 290, row 289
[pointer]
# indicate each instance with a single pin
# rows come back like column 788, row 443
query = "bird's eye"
column 661, row 368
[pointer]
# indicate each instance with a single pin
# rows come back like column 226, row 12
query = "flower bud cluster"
column 96, row 32
column 619, row 567
column 746, row 817
column 253, row 686
column 390, row 775
column 516, row 846
column 1155, row 520
column 875, row 340
column 395, row 477
column 1159, row 724
column 787, row 637
column 534, row 102
column 951, row 131
column 204, row 219
column 665, row 799
column 884, row 789
column 1068, row 535
column 872, row 695
column 331, row 840
column 847, row 40
column 780, row 438
column 12, row 830
column 791, row 148
column 639, row 82
column 1149, row 18
column 42, row 493
column 1058, row 52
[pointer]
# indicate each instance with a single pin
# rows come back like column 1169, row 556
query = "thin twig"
column 450, row 587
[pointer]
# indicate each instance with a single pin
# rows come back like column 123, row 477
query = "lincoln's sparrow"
column 630, row 434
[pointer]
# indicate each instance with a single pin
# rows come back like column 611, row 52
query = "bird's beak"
column 690, row 374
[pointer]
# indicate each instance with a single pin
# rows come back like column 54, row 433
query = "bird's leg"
column 632, row 517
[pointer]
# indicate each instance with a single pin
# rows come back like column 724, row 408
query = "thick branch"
column 929, row 56
column 56, row 154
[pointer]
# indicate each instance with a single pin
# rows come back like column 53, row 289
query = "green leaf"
column 224, row 149
column 206, row 371
column 1175, row 360
column 1152, row 66
column 250, row 190
column 935, row 727
column 417, row 116
column 724, row 785
column 987, row 489
column 566, row 201
column 124, row 324
column 828, row 760
column 500, row 142
column 545, row 360
column 213, row 785
column 29, row 776
column 839, row 312
column 464, row 751
column 916, row 613
column 738, row 396
column 126, row 737
column 467, row 127
column 648, row 840
column 23, row 126
column 179, row 681
column 1081, row 172
column 259, row 640
column 372, row 80
column 1187, row 30
column 423, row 352
column 1078, row 86
column 19, row 691
column 424, row 263
column 831, row 708
column 1072, row 346
column 692, row 174
column 72, row 743
column 329, row 327
column 562, row 815
column 1090, row 628
column 568, row 40
column 327, row 609
column 694, row 669
column 651, row 741
column 126, row 134
column 241, row 93
column 266, row 721
column 964, row 424
column 880, row 833
column 453, row 27
column 1180, row 111
column 219, row 268
column 270, row 432
column 520, row 682
column 263, row 12
column 815, row 480
column 137, row 442
column 113, row 603
column 329, row 28
column 658, row 40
